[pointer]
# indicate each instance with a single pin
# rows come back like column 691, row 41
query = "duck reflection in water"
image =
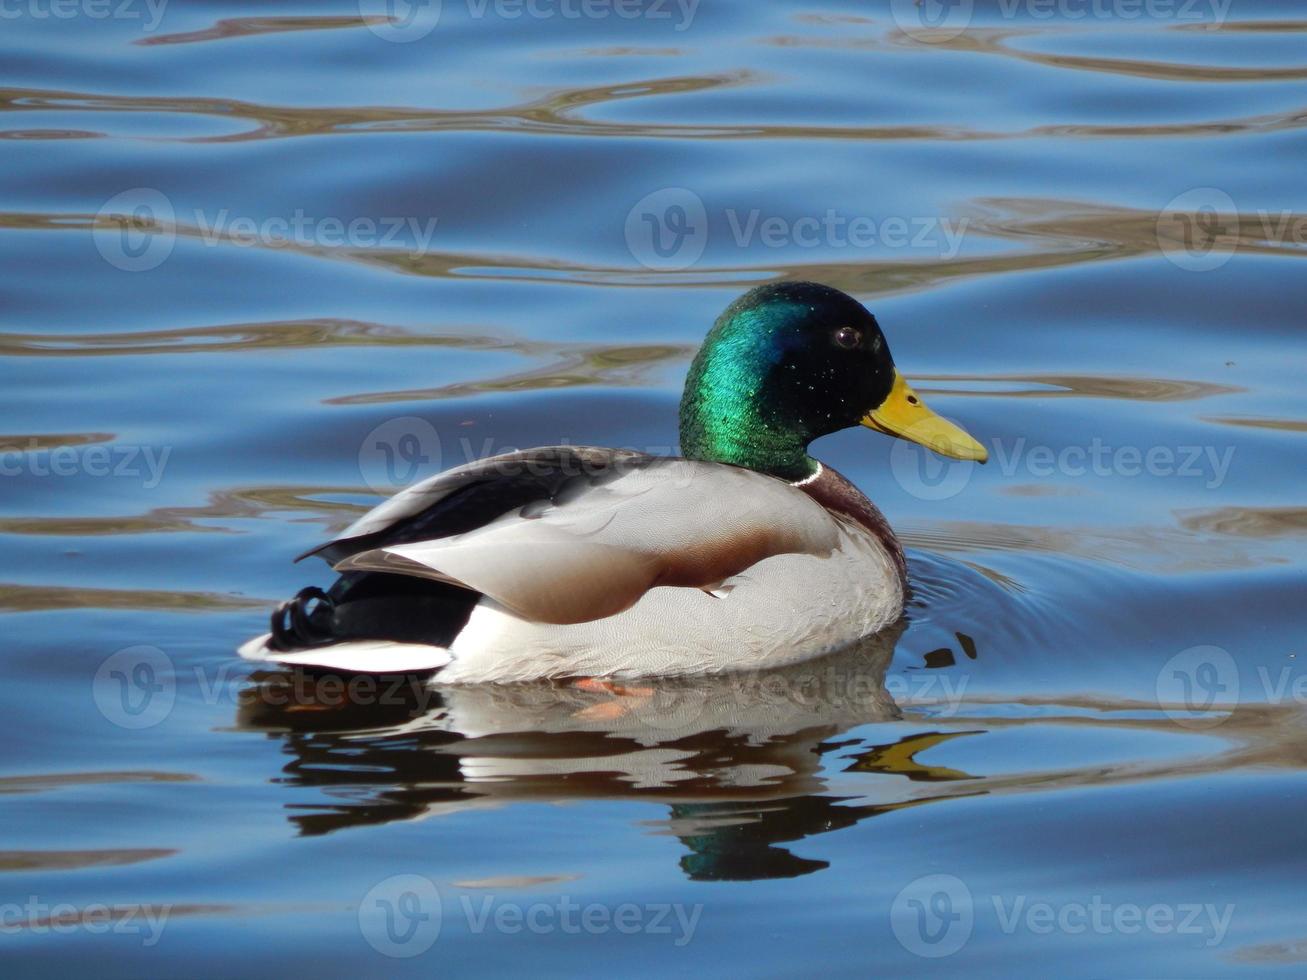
column 743, row 761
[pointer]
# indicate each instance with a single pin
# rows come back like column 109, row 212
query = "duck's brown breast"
column 830, row 489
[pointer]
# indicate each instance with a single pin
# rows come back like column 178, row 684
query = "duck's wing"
column 572, row 534
column 474, row 494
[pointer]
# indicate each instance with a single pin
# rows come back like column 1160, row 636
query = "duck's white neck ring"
column 808, row 479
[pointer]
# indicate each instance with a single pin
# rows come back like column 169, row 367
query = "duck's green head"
column 789, row 362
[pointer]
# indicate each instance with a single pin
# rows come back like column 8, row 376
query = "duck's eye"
column 848, row 337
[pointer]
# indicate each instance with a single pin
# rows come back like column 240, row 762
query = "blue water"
column 261, row 266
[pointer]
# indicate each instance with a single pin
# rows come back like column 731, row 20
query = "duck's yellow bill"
column 905, row 415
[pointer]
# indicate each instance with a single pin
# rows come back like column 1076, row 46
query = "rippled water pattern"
column 262, row 264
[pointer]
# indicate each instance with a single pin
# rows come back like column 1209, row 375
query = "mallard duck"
column 595, row 564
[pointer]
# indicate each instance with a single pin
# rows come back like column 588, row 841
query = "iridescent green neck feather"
column 729, row 410
column 784, row 364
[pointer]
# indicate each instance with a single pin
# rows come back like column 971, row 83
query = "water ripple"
column 554, row 115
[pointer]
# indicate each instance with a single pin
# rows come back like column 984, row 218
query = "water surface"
column 261, row 265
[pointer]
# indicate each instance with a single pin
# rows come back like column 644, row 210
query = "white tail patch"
column 354, row 656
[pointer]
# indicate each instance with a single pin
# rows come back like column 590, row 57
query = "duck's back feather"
column 474, row 494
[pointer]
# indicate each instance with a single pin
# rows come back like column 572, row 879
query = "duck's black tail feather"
column 304, row 621
column 372, row 606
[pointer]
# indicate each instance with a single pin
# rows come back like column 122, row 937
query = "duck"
column 593, row 565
